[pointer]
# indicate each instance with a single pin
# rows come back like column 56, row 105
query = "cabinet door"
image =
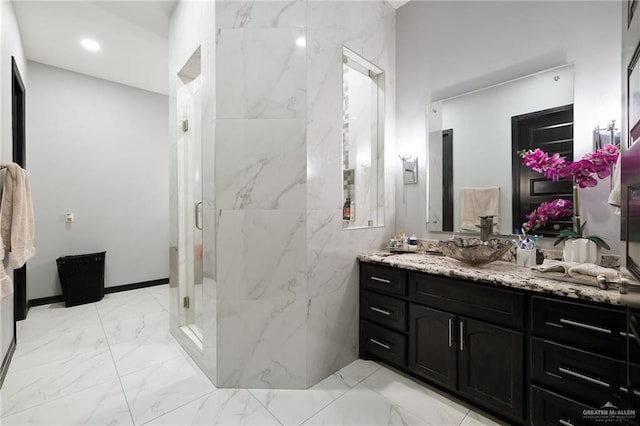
column 491, row 366
column 432, row 349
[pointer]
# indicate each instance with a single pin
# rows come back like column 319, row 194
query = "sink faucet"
column 486, row 227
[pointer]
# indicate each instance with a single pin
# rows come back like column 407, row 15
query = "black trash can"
column 81, row 278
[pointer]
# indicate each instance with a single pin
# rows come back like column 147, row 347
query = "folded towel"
column 584, row 273
column 16, row 216
column 476, row 202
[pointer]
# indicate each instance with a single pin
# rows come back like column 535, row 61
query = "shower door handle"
column 198, row 215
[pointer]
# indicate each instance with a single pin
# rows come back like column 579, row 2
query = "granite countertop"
column 501, row 273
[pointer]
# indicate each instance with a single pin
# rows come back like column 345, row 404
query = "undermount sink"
column 474, row 251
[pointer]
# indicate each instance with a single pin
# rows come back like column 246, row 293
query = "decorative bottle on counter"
column 346, row 210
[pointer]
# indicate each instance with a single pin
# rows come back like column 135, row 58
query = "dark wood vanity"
column 529, row 358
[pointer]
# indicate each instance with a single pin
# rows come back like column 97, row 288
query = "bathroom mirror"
column 362, row 142
column 470, row 145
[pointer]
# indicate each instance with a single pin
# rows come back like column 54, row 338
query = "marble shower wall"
column 261, row 191
column 281, row 284
column 368, row 29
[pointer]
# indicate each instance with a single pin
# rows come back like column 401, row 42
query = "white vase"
column 581, row 250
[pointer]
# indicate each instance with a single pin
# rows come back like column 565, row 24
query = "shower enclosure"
column 190, row 215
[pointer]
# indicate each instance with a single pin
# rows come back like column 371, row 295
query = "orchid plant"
column 583, row 173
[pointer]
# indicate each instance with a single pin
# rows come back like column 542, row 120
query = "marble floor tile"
column 292, row 407
column 136, row 354
column 362, row 406
column 417, row 398
column 126, row 304
column 55, row 318
column 137, row 327
column 163, row 387
column 43, row 383
column 100, row 405
column 161, row 294
column 476, row 419
column 357, row 371
column 58, row 346
column 221, row 407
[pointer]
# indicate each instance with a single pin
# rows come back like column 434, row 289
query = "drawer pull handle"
column 450, row 332
column 380, row 311
column 587, row 326
column 461, row 335
column 381, row 280
column 583, row 377
column 565, row 422
column 387, row 347
column 636, row 392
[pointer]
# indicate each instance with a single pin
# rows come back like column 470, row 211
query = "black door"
column 432, row 349
column 447, row 180
column 20, row 297
column 491, row 366
column 552, row 131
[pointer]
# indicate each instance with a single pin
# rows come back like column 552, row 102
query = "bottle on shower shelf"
column 346, row 209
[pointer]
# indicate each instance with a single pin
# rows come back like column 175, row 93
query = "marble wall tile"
column 268, row 80
column 260, row 344
column 261, row 254
column 324, row 127
column 332, row 329
column 346, row 17
column 261, row 164
column 331, row 265
column 260, row 14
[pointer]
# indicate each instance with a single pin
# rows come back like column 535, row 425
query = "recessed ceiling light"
column 301, row 41
column 91, row 45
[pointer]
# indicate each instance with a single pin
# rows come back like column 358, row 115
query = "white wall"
column 100, row 150
column 448, row 48
column 11, row 46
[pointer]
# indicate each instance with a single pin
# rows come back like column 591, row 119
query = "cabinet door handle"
column 565, row 422
column 380, row 311
column 450, row 332
column 387, row 347
column 586, row 326
column 461, row 335
column 636, row 392
column 584, row 377
column 381, row 280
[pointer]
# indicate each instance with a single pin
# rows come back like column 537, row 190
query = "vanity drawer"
column 384, row 343
column 549, row 408
column 384, row 310
column 383, row 279
column 479, row 301
column 588, row 377
column 600, row 330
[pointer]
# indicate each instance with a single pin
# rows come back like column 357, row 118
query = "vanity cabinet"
column 526, row 356
column 464, row 337
column 577, row 360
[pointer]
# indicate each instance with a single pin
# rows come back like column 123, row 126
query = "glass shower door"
column 190, row 199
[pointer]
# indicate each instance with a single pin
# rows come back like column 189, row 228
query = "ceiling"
column 133, row 36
